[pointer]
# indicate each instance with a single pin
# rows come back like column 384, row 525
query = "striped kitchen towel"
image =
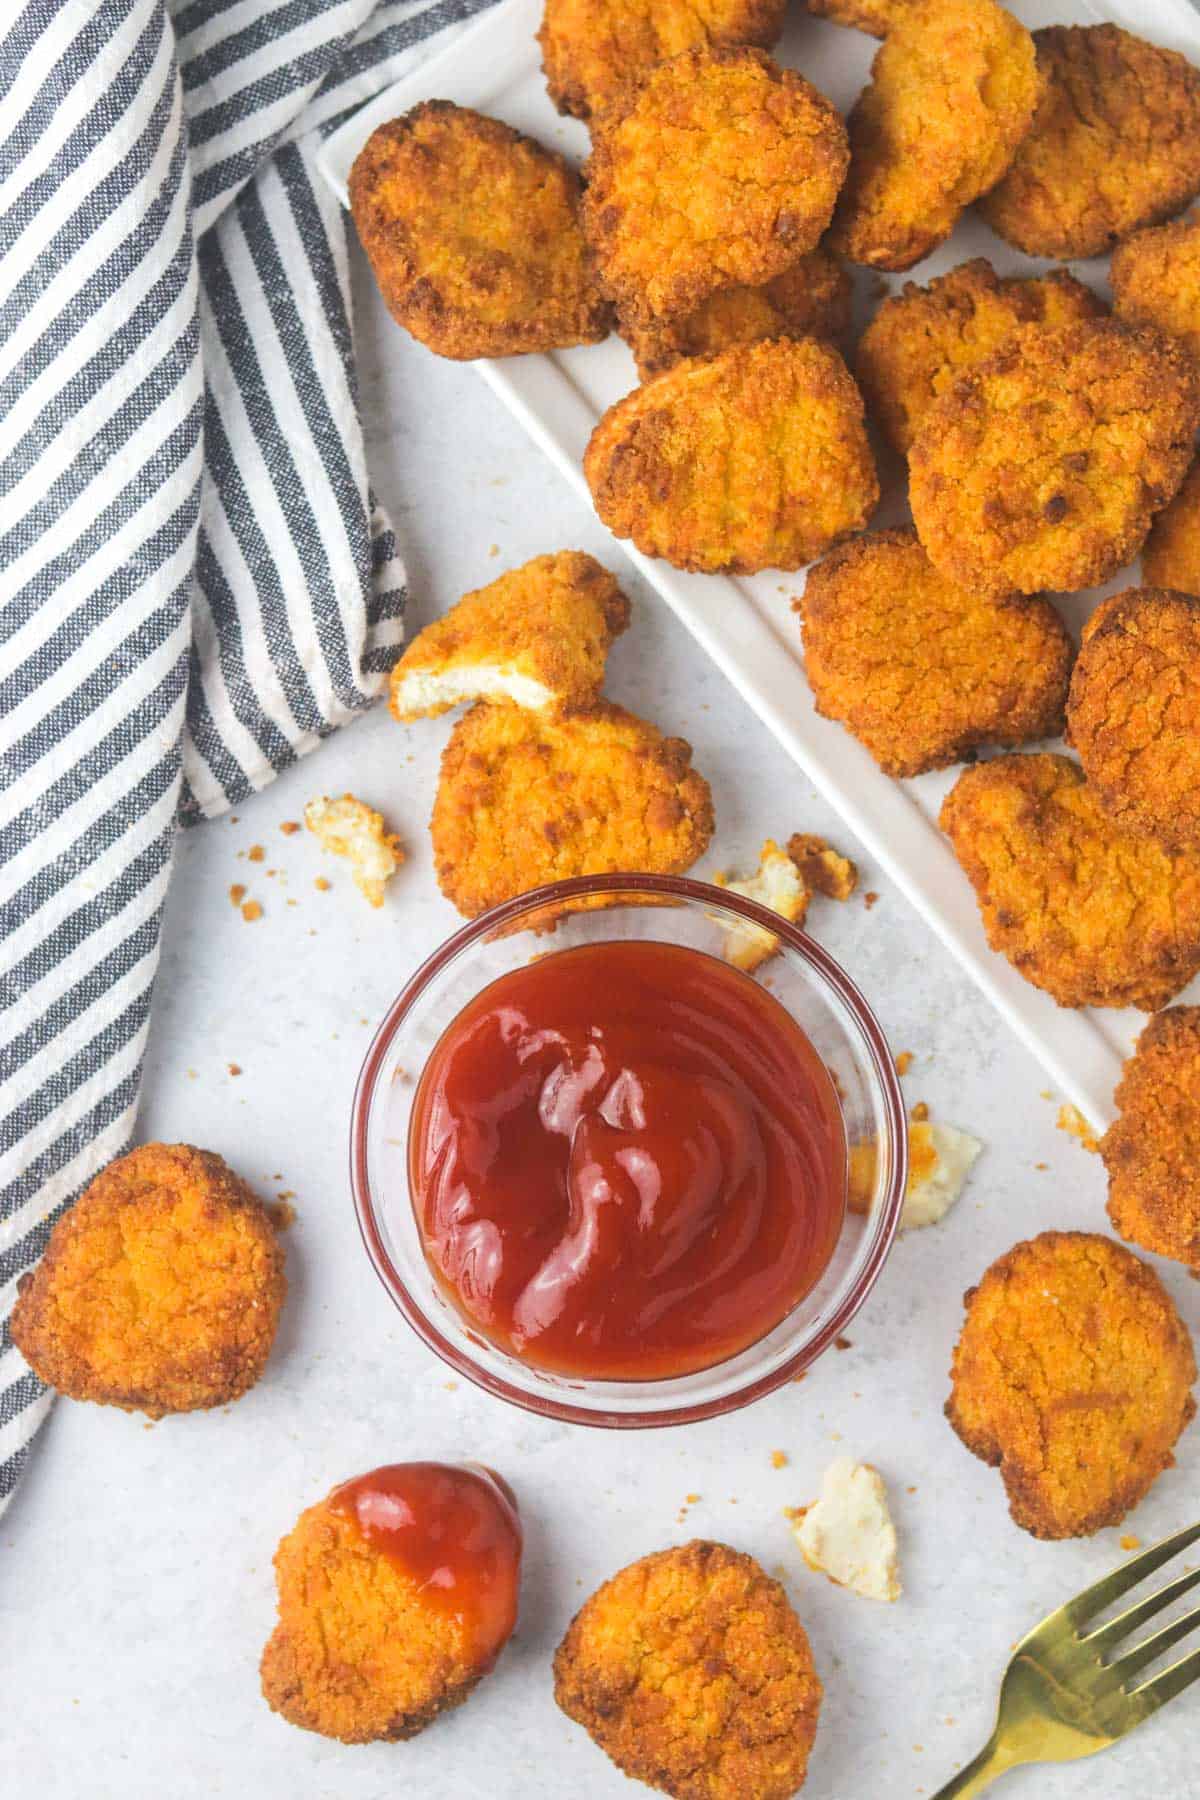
column 196, row 584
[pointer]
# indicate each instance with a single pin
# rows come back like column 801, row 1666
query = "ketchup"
column 626, row 1161
column 455, row 1530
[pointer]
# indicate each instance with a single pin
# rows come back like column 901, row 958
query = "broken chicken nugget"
column 350, row 828
column 848, row 1533
column 785, row 881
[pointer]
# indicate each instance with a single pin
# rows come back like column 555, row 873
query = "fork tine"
column 1102, row 1593
column 1133, row 1616
column 1153, row 1647
column 1161, row 1688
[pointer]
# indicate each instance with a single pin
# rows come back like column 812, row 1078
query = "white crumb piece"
column 351, row 829
column 848, row 1533
column 776, row 883
column 939, row 1161
column 423, row 694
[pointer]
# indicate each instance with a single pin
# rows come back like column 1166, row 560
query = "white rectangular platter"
column 746, row 624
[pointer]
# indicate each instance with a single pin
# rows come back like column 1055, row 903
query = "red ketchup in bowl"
column 627, row 1161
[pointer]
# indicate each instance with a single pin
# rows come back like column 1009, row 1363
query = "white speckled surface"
column 135, row 1578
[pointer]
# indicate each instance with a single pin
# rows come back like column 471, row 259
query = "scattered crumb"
column 351, row 829
column 1072, row 1121
column 779, row 1459
column 940, row 1158
column 233, row 818
column 910, row 1490
column 848, row 1533
column 293, row 902
column 691, row 1499
column 237, row 894
column 904, row 1062
column 493, row 549
column 843, row 1343
column 824, row 871
column 290, row 827
column 322, row 886
column 255, row 853
column 283, row 1215
column 1045, row 1093
column 803, row 1375
column 1041, row 1165
column 919, row 1112
column 1129, row 1542
column 191, row 1074
column 271, row 873
column 234, row 1068
column 869, row 899
column 285, row 1193
column 251, row 911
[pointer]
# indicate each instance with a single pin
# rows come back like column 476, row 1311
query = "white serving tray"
column 746, row 624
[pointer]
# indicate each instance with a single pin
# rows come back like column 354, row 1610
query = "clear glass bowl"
column 803, row 977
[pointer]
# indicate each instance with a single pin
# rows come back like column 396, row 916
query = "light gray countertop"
column 135, row 1563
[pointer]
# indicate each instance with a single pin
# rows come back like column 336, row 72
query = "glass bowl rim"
column 703, row 893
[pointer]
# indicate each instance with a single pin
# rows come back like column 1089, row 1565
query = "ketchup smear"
column 455, row 1530
column 626, row 1161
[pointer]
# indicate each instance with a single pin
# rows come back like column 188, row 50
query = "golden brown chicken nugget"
column 811, row 299
column 591, row 48
column 1042, row 467
column 1080, row 906
column 538, row 635
column 160, row 1289
column 525, row 798
column 921, row 340
column 1134, row 712
column 713, row 169
column 876, row 16
column 1171, row 553
column 952, row 91
column 376, row 1637
column 1156, row 280
column 473, row 233
column 691, row 1671
column 1152, row 1149
column 920, row 670
column 1072, row 1377
column 1114, row 146
column 757, row 458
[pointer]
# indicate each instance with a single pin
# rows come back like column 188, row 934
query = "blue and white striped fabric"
column 196, row 584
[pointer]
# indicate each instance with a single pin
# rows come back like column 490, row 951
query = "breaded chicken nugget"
column 921, row 670
column 1083, row 908
column 921, row 340
column 951, row 95
column 1134, row 712
column 876, row 16
column 591, row 48
column 811, row 299
column 473, row 233
column 754, row 459
column 1072, row 1377
column 526, row 798
column 1042, row 467
column 160, row 1289
column 538, row 635
column 1156, row 280
column 1171, row 553
column 691, row 1671
column 1115, row 144
column 376, row 1637
column 715, row 168
column 1152, row 1149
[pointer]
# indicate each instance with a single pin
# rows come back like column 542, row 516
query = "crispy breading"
column 349, row 828
column 1072, row 1377
column 691, row 1671
column 525, row 798
column 1083, row 908
column 714, row 168
column 876, row 16
column 921, row 670
column 1152, row 1149
column 811, row 299
column 160, row 1290
column 1171, row 553
column 921, row 340
column 1156, row 280
column 590, row 48
column 1114, row 145
column 753, row 459
column 473, row 233
column 538, row 635
column 824, row 870
column 952, row 92
column 1134, row 712
column 1043, row 466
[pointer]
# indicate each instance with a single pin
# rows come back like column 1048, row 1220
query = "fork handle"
column 979, row 1773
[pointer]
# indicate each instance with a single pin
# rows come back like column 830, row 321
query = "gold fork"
column 1067, row 1693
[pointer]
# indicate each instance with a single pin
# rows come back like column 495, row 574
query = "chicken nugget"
column 713, row 169
column 591, row 48
column 397, row 1593
column 811, row 299
column 473, row 234
column 875, row 16
column 952, row 91
column 1080, row 906
column 349, row 827
column 921, row 340
column 754, row 459
column 1114, row 145
column 1156, row 280
column 1043, row 467
column 921, row 670
column 160, row 1290
column 1152, row 1149
column 1171, row 553
column 1072, row 1377
column 538, row 635
column 525, row 798
column 1134, row 712
column 691, row 1671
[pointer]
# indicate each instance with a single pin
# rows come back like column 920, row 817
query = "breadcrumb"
column 825, row 870
column 848, row 1533
column 348, row 828
column 251, row 911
